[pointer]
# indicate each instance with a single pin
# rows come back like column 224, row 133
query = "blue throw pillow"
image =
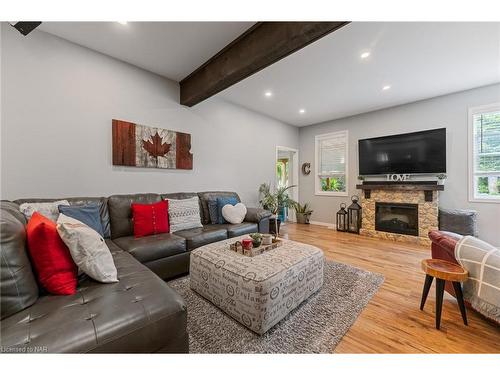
column 212, row 210
column 87, row 214
column 221, row 202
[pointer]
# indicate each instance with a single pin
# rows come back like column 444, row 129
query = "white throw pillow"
column 88, row 249
column 184, row 214
column 234, row 214
column 48, row 209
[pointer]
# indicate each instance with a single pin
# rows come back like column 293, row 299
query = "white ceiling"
column 171, row 49
column 329, row 79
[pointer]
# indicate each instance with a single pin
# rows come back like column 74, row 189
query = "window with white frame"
column 331, row 163
column 484, row 153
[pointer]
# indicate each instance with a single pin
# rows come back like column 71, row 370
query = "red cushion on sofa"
column 56, row 270
column 150, row 218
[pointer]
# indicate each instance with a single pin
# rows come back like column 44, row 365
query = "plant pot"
column 302, row 218
column 272, row 226
column 256, row 243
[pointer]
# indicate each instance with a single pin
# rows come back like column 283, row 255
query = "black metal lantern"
column 342, row 218
column 354, row 215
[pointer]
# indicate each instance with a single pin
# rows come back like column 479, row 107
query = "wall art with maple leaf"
column 145, row 146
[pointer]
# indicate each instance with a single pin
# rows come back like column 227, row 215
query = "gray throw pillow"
column 463, row 222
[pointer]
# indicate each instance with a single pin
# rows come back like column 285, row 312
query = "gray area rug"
column 316, row 326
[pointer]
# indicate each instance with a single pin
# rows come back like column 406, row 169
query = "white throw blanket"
column 482, row 289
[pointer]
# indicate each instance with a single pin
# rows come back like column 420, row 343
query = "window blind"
column 486, row 142
column 332, row 154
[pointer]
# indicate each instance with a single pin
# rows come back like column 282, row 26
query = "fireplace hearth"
column 400, row 218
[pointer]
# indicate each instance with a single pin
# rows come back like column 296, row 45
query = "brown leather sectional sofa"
column 138, row 314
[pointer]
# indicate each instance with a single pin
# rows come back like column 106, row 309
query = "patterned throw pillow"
column 48, row 209
column 88, row 249
column 184, row 214
column 221, row 202
column 212, row 210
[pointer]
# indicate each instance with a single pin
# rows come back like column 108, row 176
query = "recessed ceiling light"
column 386, row 87
column 302, row 111
column 365, row 55
column 122, row 22
column 268, row 94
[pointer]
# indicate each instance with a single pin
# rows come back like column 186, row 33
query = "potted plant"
column 302, row 212
column 441, row 178
column 361, row 178
column 256, row 239
column 274, row 201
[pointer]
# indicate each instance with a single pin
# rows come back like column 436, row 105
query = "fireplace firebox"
column 399, row 218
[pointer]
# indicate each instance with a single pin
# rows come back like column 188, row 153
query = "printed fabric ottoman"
column 257, row 291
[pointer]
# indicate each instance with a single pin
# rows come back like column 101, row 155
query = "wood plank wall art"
column 145, row 146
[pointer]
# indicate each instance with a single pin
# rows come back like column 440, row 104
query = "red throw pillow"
column 150, row 218
column 56, row 270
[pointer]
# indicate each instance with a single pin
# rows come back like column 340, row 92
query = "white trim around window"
column 317, row 184
column 473, row 197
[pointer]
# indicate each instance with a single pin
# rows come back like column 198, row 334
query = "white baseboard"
column 323, row 224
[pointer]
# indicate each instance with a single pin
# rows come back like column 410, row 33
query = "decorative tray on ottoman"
column 238, row 248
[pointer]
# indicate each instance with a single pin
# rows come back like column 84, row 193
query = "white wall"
column 57, row 103
column 448, row 111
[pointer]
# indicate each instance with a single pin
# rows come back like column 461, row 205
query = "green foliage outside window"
column 333, row 184
column 482, row 185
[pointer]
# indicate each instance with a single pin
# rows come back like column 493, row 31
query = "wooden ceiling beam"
column 260, row 46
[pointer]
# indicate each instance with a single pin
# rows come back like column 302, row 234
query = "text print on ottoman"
column 257, row 291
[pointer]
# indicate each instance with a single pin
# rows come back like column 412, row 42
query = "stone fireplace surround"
column 424, row 196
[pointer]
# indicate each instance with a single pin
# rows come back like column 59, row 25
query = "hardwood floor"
column 392, row 321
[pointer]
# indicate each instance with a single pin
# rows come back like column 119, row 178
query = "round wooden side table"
column 443, row 271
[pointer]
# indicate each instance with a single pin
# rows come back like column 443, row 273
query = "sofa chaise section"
column 138, row 314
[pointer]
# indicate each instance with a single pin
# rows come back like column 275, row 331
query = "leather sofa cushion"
column 120, row 212
column 140, row 313
column 254, row 215
column 178, row 195
column 206, row 195
column 149, row 248
column 171, row 267
column 19, row 289
column 197, row 237
column 235, row 230
column 102, row 202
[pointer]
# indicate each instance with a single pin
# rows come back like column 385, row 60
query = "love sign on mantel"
column 145, row 146
column 398, row 177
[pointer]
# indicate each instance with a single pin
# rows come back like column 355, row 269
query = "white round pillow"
column 234, row 214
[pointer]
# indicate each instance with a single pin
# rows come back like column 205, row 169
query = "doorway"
column 287, row 173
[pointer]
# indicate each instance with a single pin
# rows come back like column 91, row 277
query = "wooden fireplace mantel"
column 426, row 187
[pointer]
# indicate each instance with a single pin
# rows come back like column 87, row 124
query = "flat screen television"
column 419, row 152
